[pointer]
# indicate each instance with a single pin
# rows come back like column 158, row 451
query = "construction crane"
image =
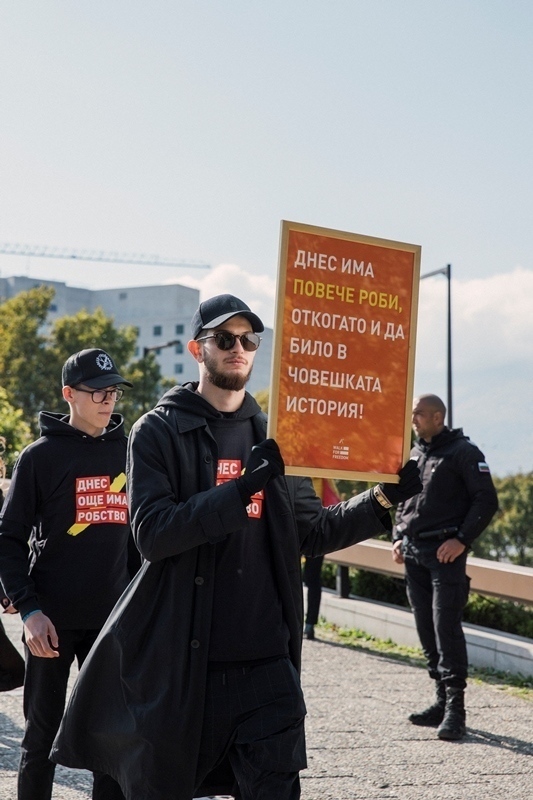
column 42, row 251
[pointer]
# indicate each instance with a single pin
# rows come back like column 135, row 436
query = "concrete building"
column 161, row 315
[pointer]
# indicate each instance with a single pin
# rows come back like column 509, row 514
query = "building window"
column 137, row 352
column 179, row 348
column 179, row 329
column 158, row 330
column 123, row 296
column 178, row 369
column 53, row 307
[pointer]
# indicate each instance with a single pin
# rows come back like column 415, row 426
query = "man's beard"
column 232, row 383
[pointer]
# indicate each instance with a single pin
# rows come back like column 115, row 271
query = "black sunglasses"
column 225, row 340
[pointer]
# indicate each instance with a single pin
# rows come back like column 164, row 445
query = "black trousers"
column 254, row 715
column 45, row 688
column 312, row 579
column 438, row 594
column 11, row 663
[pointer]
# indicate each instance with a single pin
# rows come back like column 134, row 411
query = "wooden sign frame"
column 342, row 377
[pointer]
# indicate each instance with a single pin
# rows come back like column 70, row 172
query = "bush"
column 502, row 615
column 489, row 612
column 368, row 584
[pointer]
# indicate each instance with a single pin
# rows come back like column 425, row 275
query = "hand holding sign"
column 409, row 485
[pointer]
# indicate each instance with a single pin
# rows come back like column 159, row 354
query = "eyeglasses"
column 99, row 395
column 225, row 340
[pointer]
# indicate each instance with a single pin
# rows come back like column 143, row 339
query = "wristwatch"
column 381, row 497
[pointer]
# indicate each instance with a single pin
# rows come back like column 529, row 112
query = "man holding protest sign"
column 197, row 667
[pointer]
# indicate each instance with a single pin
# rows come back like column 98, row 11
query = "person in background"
column 200, row 658
column 64, row 549
column 432, row 535
column 312, row 578
column 312, row 570
column 11, row 662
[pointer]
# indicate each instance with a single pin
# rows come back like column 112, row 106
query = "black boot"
column 453, row 725
column 433, row 715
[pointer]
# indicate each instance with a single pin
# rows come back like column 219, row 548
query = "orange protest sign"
column 343, row 361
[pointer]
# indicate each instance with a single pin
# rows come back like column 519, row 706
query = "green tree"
column 95, row 329
column 14, row 429
column 31, row 360
column 24, row 360
column 262, row 397
column 92, row 329
column 509, row 537
column 148, row 386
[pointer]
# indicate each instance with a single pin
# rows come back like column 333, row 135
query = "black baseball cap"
column 94, row 368
column 213, row 312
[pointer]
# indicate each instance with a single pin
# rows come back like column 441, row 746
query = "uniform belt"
column 439, row 535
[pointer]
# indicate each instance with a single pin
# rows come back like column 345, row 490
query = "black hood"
column 54, row 424
column 446, row 435
column 186, row 399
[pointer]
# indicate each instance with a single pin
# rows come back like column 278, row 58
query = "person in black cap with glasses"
column 64, row 546
column 200, row 657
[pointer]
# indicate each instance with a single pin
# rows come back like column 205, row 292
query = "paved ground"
column 360, row 744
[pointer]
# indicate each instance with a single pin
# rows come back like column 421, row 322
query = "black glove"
column 265, row 462
column 409, row 485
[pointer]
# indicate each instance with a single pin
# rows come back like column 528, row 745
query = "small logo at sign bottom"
column 341, row 451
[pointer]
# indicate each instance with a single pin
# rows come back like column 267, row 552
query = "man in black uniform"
column 432, row 535
column 198, row 664
column 64, row 535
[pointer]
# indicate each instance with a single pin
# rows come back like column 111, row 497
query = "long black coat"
column 136, row 710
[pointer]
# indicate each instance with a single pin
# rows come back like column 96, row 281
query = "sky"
column 190, row 129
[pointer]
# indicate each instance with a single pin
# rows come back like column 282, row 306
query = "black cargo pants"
column 438, row 594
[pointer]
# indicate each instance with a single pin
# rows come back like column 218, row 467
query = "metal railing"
column 507, row 581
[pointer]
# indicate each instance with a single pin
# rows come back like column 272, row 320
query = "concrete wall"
column 486, row 648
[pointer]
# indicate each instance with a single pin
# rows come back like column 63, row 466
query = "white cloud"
column 492, row 320
column 258, row 291
column 492, row 360
column 491, row 317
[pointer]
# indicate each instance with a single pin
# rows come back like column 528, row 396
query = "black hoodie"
column 245, row 598
column 186, row 398
column 64, row 527
column 457, row 489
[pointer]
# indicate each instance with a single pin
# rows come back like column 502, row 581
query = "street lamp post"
column 447, row 271
column 156, row 347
